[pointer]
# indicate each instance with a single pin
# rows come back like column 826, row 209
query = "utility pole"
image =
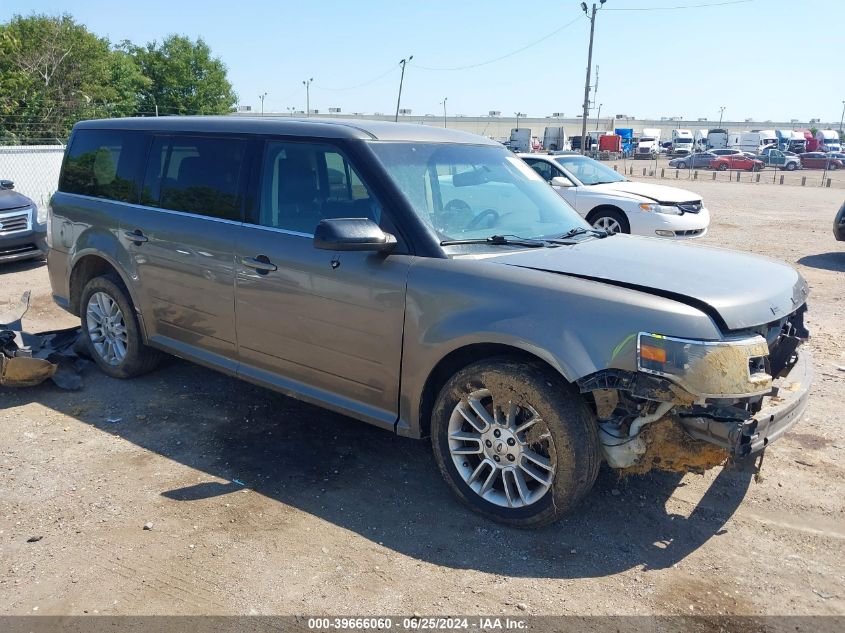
column 444, row 110
column 518, row 114
column 722, row 111
column 307, row 84
column 842, row 118
column 586, row 113
column 402, row 63
column 262, row 102
column 598, row 117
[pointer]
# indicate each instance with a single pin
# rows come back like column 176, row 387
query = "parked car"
column 693, row 161
column 736, row 161
column 839, row 224
column 777, row 158
column 819, row 160
column 726, row 151
column 612, row 203
column 837, row 155
column 23, row 226
column 429, row 282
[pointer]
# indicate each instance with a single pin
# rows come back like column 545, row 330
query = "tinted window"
column 542, row 168
column 302, row 184
column 104, row 164
column 195, row 175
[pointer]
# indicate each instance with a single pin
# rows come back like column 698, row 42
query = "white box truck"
column 828, row 141
column 752, row 142
column 520, row 140
column 717, row 139
column 554, row 139
column 682, row 142
column 649, row 144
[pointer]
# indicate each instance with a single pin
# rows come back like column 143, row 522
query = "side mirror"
column 560, row 181
column 7, row 184
column 352, row 234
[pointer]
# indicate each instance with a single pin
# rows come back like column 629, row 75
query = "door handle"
column 136, row 236
column 260, row 263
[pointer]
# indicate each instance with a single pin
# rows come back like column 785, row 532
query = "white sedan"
column 610, row 202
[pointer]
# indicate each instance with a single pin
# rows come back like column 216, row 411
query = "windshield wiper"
column 579, row 230
column 497, row 240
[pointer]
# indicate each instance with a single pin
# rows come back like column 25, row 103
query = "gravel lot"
column 331, row 516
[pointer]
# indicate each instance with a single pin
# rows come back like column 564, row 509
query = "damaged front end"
column 693, row 405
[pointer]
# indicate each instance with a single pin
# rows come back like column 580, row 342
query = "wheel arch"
column 463, row 356
column 594, row 212
column 96, row 264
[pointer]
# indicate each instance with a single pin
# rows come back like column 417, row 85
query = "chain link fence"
column 33, row 165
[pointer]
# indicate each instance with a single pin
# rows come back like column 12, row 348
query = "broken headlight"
column 707, row 369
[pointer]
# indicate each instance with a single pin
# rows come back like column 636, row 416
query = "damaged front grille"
column 784, row 337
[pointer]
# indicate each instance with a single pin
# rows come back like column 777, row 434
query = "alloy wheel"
column 502, row 450
column 607, row 224
column 106, row 328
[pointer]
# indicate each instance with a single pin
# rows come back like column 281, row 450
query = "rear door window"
column 195, row 174
column 104, row 164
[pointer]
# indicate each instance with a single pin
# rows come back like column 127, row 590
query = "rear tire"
column 111, row 332
column 790, row 167
column 559, row 432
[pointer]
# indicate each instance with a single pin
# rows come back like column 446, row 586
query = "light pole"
column 586, row 113
column 443, row 103
column 402, row 63
column 842, row 118
column 290, row 110
column 307, row 84
column 262, row 102
column 518, row 114
column 598, row 117
column 721, row 112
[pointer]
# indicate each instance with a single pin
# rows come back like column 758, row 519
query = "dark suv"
column 23, row 228
column 431, row 283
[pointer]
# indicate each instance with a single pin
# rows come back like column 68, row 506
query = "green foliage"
column 55, row 72
column 185, row 78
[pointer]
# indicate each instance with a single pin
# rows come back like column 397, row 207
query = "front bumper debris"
column 27, row 359
column 779, row 412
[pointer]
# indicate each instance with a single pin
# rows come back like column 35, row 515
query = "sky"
column 762, row 59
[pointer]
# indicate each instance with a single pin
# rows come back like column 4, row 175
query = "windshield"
column 475, row 191
column 589, row 171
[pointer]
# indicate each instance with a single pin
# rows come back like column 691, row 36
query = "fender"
column 105, row 245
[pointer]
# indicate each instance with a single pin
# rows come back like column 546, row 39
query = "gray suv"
column 431, row 283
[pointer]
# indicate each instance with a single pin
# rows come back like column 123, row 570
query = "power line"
column 391, row 70
column 501, row 57
column 683, row 6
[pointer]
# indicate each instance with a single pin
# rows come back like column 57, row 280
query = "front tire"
column 514, row 441
column 723, row 167
column 111, row 331
column 682, row 165
column 611, row 221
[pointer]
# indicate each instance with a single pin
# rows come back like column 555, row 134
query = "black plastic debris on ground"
column 28, row 359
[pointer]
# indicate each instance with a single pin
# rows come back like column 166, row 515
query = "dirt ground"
column 260, row 504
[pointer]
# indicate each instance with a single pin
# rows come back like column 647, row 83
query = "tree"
column 184, row 78
column 54, row 72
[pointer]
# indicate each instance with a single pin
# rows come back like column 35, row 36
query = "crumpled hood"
column 657, row 193
column 744, row 290
column 10, row 199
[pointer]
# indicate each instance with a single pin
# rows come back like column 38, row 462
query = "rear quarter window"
column 104, row 164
